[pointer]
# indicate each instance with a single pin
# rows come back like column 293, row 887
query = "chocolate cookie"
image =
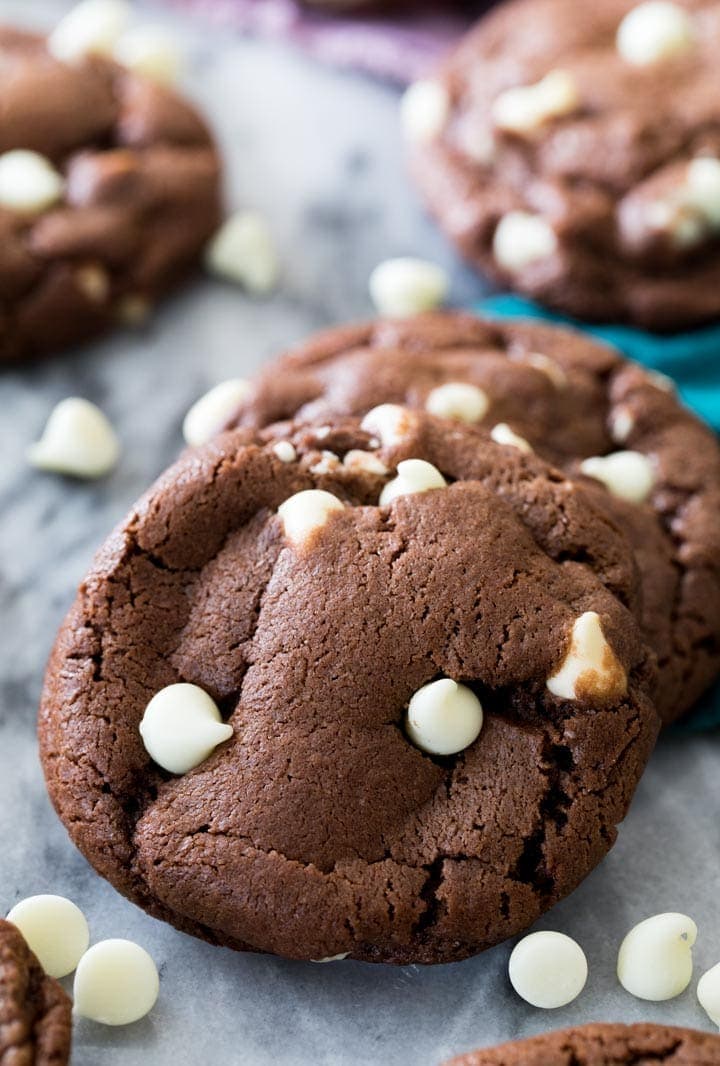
column 572, row 152
column 572, row 399
column 603, row 1045
column 35, row 1013
column 352, row 648
column 107, row 206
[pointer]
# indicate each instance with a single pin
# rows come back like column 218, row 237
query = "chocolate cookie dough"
column 572, row 152
column 571, row 399
column 109, row 189
column 424, row 645
column 603, row 1045
column 35, row 1018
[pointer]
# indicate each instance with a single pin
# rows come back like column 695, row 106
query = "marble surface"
column 318, row 152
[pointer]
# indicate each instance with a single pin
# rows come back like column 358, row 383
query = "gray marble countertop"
column 318, row 152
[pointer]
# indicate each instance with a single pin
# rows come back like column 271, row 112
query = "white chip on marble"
column 444, row 718
column 91, row 27
column 522, row 239
column 356, row 459
column 548, row 969
column 413, row 476
column 708, row 993
column 116, row 983
column 181, row 727
column 208, row 415
column 407, row 286
column 590, row 668
column 628, row 475
column 306, row 512
column 28, row 182
column 285, row 451
column 424, row 110
column 503, row 434
column 524, row 109
column 655, row 958
column 654, row 31
column 390, row 422
column 150, row 52
column 78, row 440
column 55, row 929
column 458, row 401
column 243, row 251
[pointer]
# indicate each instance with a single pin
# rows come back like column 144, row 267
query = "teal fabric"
column 691, row 359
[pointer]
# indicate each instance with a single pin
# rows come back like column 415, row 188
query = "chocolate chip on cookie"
column 575, row 402
column 571, row 152
column 434, row 690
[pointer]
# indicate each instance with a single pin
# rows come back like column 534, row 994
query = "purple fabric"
column 400, row 47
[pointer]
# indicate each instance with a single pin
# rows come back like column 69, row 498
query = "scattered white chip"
column 406, row 286
column 622, row 423
column 285, row 451
column 703, row 189
column 655, row 958
column 548, row 969
column 150, row 52
column 458, row 401
column 413, row 475
column 333, row 958
column 522, row 239
column 708, row 993
column 503, row 434
column 306, row 512
column 116, row 983
column 208, row 415
column 28, row 181
column 424, row 110
column 356, row 459
column 660, row 380
column 92, row 27
column 55, row 929
column 444, row 717
column 526, row 108
column 390, row 422
column 327, row 462
column 590, row 667
column 654, row 31
column 627, row 475
column 77, row 440
column 181, row 727
column 243, row 251
column 546, row 366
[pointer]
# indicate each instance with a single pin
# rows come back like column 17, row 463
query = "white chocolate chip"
column 703, row 189
column 654, row 31
column 552, row 370
column 306, row 512
column 502, row 434
column 149, row 52
column 458, row 401
column 690, row 211
column 590, row 667
column 55, row 929
column 28, row 181
column 356, row 459
column 660, row 380
column 243, row 251
column 622, row 423
column 333, row 958
column 406, row 286
column 116, row 983
column 208, row 415
column 327, row 462
column 133, row 309
column 444, row 717
column 522, row 239
column 181, row 727
column 413, row 475
column 708, row 993
column 424, row 110
column 91, row 27
column 655, row 958
column 93, row 281
column 390, row 422
column 526, row 108
column 548, row 969
column 77, row 440
column 285, row 451
column 627, row 475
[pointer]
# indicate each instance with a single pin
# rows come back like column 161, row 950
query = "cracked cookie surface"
column 35, row 1013
column 570, row 398
column 318, row 829
column 603, row 1045
column 610, row 218
column 140, row 196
